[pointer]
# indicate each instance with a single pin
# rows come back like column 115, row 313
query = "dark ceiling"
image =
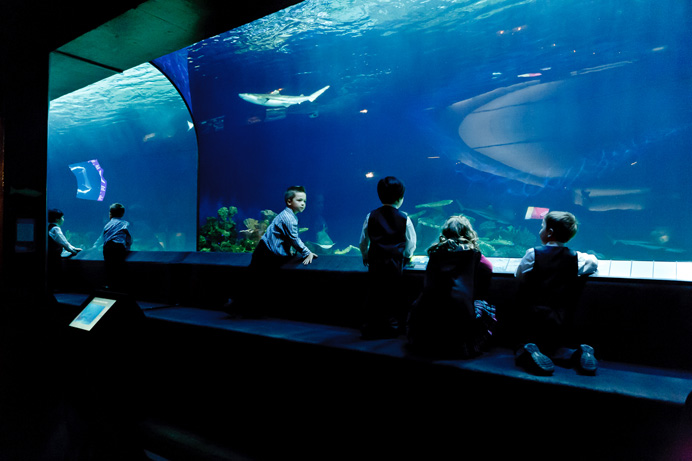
column 93, row 42
column 150, row 30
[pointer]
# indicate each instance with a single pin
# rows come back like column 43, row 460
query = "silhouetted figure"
column 550, row 283
column 57, row 245
column 450, row 318
column 387, row 242
column 116, row 246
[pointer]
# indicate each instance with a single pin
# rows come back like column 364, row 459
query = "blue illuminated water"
column 494, row 105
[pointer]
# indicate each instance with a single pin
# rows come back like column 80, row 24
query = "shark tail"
column 314, row 95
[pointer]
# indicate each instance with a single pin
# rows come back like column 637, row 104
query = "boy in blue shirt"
column 279, row 245
column 387, row 242
column 116, row 245
column 550, row 279
column 281, row 241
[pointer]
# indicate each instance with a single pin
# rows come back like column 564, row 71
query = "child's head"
column 117, row 210
column 390, row 190
column 55, row 215
column 458, row 228
column 558, row 226
column 296, row 198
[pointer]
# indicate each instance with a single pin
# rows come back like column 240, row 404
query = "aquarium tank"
column 127, row 139
column 498, row 110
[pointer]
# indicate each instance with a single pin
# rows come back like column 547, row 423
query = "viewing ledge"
column 635, row 270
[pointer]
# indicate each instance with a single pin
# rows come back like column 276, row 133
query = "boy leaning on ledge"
column 550, row 280
column 279, row 245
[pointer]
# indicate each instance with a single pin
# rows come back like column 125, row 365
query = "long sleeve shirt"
column 281, row 236
column 116, row 230
column 56, row 234
column 410, row 238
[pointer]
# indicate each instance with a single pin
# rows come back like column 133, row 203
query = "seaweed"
column 220, row 233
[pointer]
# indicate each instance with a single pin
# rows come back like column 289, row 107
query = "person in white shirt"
column 550, row 279
column 57, row 246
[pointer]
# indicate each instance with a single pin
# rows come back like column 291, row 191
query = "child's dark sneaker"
column 584, row 360
column 534, row 361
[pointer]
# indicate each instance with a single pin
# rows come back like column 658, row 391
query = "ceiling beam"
column 152, row 29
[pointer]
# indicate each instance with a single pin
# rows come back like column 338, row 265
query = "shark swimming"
column 276, row 99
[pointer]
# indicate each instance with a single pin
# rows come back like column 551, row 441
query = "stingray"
column 429, row 222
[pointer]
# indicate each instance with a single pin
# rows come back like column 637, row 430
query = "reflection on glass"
column 91, row 184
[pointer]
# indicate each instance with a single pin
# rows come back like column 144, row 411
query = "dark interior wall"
column 27, row 35
column 29, row 32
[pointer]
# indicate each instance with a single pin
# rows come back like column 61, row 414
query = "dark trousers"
column 54, row 273
column 114, row 255
column 255, row 297
column 266, row 261
column 385, row 312
column 550, row 328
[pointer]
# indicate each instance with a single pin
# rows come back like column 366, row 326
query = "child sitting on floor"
column 550, row 279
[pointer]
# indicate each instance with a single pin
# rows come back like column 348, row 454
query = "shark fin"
column 314, row 95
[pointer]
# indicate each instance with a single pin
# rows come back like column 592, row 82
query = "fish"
column 25, row 191
column 416, row 215
column 648, row 245
column 437, row 204
column 430, row 223
column 276, row 99
column 324, row 240
column 500, row 242
column 489, row 214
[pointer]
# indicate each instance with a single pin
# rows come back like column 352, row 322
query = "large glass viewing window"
column 128, row 139
column 495, row 109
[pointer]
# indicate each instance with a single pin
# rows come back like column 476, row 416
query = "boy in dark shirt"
column 387, row 241
column 549, row 289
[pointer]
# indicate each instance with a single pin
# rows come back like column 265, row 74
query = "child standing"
column 449, row 318
column 387, row 241
column 57, row 243
column 116, row 245
column 550, row 279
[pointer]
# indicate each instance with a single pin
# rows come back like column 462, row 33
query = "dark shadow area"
column 188, row 382
column 68, row 393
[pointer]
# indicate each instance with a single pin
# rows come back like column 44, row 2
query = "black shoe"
column 532, row 360
column 584, row 360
